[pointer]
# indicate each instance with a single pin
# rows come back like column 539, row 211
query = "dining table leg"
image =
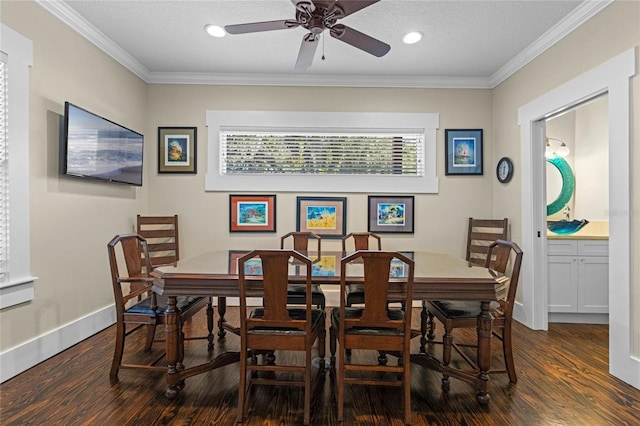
column 172, row 346
column 484, row 352
column 222, row 310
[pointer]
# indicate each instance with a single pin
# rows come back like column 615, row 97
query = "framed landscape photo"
column 463, row 152
column 391, row 214
column 252, row 213
column 177, row 149
column 324, row 216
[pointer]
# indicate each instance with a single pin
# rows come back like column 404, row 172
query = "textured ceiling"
column 465, row 44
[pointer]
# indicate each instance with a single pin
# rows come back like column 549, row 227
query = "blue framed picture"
column 463, row 152
column 252, row 213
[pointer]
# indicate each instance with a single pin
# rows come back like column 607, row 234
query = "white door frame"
column 612, row 77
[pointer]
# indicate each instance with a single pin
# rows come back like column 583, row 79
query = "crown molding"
column 585, row 11
column 577, row 17
column 298, row 79
column 76, row 22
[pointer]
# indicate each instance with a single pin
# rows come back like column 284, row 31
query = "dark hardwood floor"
column 563, row 379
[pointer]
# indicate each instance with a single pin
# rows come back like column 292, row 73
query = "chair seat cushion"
column 351, row 313
column 317, row 317
column 316, row 290
column 144, row 306
column 457, row 308
column 355, row 293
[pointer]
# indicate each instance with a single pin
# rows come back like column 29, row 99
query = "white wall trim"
column 26, row 355
column 19, row 51
column 611, row 77
column 427, row 123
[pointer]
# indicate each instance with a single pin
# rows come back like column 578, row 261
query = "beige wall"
column 614, row 30
column 440, row 218
column 71, row 221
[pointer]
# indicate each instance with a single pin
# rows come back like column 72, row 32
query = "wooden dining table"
column 437, row 277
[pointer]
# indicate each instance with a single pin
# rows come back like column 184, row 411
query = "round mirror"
column 566, row 188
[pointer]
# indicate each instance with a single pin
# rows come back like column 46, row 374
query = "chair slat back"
column 376, row 281
column 361, row 240
column 161, row 233
column 481, row 233
column 300, row 240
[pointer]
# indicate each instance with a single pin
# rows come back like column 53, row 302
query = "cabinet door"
column 593, row 285
column 563, row 283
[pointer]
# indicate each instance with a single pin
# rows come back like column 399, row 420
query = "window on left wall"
column 16, row 281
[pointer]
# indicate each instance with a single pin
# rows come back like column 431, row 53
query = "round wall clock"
column 504, row 171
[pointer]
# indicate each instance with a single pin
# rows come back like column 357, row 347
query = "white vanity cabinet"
column 578, row 280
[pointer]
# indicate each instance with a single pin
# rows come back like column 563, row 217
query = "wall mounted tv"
column 99, row 149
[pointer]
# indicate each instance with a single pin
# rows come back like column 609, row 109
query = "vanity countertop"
column 596, row 230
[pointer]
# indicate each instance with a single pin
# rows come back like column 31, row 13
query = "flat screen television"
column 99, row 149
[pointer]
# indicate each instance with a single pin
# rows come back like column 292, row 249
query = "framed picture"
column 463, row 152
column 391, row 214
column 324, row 216
column 234, row 255
column 252, row 213
column 177, row 149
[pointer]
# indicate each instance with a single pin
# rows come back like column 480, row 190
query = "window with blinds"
column 252, row 152
column 319, row 151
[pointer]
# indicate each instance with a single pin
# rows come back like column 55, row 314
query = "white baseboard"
column 20, row 358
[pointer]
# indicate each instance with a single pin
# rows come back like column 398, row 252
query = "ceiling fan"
column 317, row 16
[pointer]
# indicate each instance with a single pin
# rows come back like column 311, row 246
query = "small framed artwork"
column 177, row 149
column 324, row 216
column 252, row 213
column 463, row 152
column 392, row 214
column 234, row 255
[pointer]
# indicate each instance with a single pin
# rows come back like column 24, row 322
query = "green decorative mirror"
column 568, row 185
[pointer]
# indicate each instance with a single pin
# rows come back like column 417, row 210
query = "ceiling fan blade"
column 307, row 51
column 255, row 27
column 360, row 40
column 351, row 6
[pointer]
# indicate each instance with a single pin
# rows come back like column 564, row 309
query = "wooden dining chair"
column 277, row 326
column 361, row 241
column 373, row 326
column 480, row 234
column 504, row 257
column 300, row 242
column 163, row 243
column 136, row 305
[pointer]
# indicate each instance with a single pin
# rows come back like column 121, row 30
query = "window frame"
column 426, row 123
column 19, row 287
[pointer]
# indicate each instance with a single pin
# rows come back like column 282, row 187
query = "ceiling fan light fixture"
column 215, row 30
column 412, row 37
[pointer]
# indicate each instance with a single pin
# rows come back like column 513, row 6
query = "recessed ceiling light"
column 412, row 37
column 215, row 30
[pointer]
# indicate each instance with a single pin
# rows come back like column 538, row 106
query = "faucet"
column 567, row 213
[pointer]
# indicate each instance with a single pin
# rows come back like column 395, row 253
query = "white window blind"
column 307, row 151
column 17, row 285
column 299, row 152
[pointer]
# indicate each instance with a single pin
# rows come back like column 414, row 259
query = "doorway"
column 612, row 77
column 577, row 209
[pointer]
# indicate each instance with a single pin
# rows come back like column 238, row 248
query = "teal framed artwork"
column 463, row 152
column 252, row 213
